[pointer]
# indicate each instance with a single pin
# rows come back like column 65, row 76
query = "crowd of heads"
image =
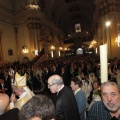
column 79, row 71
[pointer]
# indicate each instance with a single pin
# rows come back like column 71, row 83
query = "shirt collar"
column 60, row 89
column 77, row 91
column 22, row 95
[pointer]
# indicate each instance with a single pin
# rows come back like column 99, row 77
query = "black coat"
column 46, row 75
column 7, row 84
column 66, row 106
column 10, row 115
column 1, row 88
column 65, row 78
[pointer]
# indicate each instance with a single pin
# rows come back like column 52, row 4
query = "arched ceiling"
column 66, row 13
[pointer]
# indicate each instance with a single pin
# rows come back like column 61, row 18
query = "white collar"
column 22, row 95
column 60, row 88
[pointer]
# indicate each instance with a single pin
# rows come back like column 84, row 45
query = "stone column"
column 34, row 28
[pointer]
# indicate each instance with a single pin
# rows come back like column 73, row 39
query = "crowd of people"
column 72, row 85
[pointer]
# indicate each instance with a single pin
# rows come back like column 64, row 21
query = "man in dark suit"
column 65, row 103
column 64, row 76
column 3, row 87
column 7, row 115
column 7, row 83
column 54, row 70
column 46, row 73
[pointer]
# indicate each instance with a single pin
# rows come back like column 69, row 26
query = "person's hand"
column 13, row 98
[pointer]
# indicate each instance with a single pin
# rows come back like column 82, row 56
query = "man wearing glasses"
column 65, row 103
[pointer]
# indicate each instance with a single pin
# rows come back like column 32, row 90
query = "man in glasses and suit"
column 65, row 103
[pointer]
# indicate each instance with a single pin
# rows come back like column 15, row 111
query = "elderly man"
column 109, row 107
column 4, row 102
column 65, row 103
column 22, row 91
column 7, row 115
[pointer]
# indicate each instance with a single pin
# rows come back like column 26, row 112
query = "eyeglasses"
column 50, row 85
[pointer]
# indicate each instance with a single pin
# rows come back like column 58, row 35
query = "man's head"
column 96, row 84
column 54, row 83
column 75, row 84
column 4, row 102
column 45, row 68
column 20, row 85
column 5, row 73
column 54, row 67
column 18, row 91
column 111, row 96
column 40, row 107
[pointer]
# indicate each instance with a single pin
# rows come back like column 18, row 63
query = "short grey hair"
column 109, row 83
column 58, row 80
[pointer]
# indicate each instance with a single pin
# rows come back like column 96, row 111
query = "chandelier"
column 52, row 47
column 24, row 49
column 33, row 5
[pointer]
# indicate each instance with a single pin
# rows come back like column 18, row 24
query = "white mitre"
column 20, row 82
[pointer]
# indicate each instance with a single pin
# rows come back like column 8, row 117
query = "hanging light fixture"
column 52, row 47
column 24, row 49
column 33, row 5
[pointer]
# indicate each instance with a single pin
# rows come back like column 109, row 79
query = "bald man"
column 65, row 103
column 9, row 115
column 4, row 102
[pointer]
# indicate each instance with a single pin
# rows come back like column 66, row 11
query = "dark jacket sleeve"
column 10, row 115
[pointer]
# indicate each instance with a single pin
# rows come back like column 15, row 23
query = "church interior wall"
column 8, row 42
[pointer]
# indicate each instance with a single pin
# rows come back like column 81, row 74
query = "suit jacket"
column 46, row 75
column 81, row 102
column 66, row 106
column 1, row 88
column 10, row 115
column 7, row 83
column 54, row 72
column 65, row 78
